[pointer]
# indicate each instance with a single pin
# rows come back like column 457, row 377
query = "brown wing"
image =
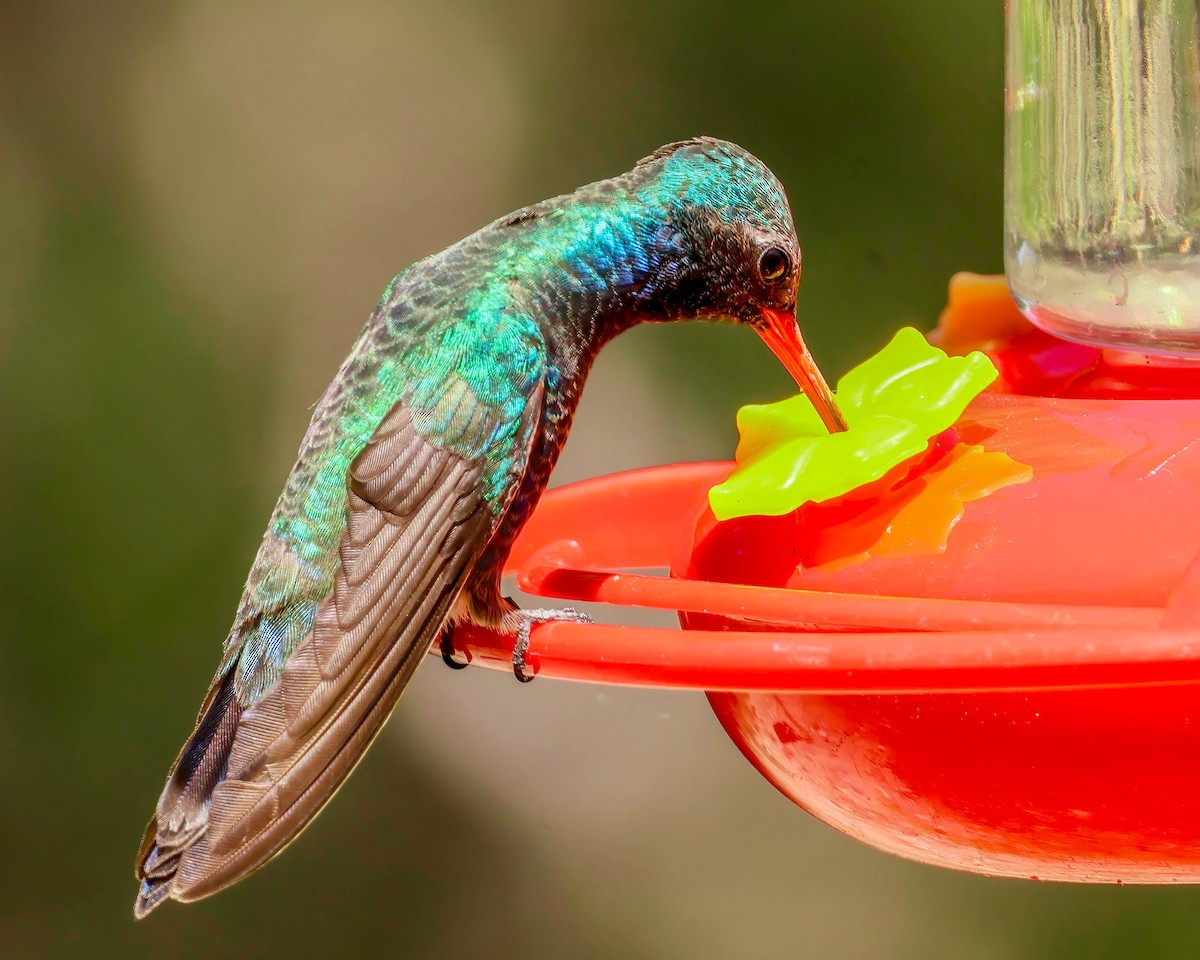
column 416, row 523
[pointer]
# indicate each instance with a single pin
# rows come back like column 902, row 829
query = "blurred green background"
column 199, row 204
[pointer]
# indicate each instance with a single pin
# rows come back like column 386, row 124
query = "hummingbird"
column 423, row 459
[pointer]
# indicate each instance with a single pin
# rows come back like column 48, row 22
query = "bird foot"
column 521, row 623
column 446, row 648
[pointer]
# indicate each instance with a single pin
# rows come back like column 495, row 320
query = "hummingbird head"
column 726, row 249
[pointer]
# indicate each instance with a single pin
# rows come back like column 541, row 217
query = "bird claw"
column 524, row 621
column 446, row 647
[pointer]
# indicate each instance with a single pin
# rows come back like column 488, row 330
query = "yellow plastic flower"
column 893, row 403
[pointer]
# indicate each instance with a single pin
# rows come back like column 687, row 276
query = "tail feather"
column 151, row 893
column 181, row 817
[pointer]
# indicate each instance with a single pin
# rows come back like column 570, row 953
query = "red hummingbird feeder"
column 1017, row 691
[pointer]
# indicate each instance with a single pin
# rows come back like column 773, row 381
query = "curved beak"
column 781, row 334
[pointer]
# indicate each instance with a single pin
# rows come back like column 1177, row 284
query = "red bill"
column 781, row 334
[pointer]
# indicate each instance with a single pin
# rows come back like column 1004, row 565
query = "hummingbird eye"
column 773, row 264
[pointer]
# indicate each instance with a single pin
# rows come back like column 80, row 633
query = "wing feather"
column 416, row 520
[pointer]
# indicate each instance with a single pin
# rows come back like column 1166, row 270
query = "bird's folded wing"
column 417, row 518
